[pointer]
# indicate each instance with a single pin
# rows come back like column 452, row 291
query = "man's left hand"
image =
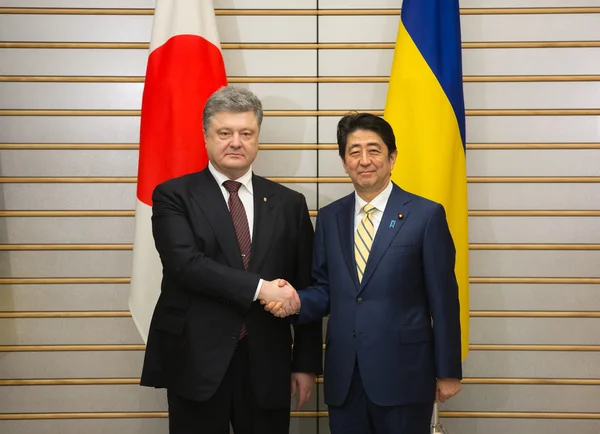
column 446, row 388
column 304, row 384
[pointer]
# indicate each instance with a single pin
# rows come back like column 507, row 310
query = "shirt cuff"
column 260, row 282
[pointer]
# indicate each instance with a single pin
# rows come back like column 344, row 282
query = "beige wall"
column 69, row 345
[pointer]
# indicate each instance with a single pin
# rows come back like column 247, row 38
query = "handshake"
column 279, row 298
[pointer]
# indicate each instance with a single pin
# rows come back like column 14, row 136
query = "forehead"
column 234, row 120
column 364, row 138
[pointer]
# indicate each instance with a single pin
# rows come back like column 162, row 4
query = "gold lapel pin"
column 400, row 216
column 265, row 199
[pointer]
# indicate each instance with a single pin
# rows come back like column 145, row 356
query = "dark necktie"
column 240, row 224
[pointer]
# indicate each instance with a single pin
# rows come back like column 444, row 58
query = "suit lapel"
column 390, row 225
column 345, row 219
column 207, row 194
column 265, row 216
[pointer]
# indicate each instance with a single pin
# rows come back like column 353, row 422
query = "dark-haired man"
column 383, row 266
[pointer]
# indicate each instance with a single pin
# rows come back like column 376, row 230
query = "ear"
column 392, row 158
column 344, row 165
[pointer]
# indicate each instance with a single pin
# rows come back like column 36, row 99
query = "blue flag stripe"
column 434, row 26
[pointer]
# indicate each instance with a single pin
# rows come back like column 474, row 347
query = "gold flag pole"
column 436, row 426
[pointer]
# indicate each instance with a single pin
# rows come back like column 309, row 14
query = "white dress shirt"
column 379, row 202
column 246, row 195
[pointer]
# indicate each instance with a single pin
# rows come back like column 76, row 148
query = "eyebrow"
column 228, row 129
column 368, row 144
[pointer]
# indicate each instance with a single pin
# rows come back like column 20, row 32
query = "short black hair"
column 364, row 121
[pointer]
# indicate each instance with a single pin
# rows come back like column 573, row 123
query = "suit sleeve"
column 442, row 292
column 308, row 338
column 183, row 261
column 315, row 299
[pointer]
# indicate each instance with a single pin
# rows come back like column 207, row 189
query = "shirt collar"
column 245, row 179
column 379, row 202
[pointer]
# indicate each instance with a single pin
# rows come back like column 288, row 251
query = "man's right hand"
column 279, row 298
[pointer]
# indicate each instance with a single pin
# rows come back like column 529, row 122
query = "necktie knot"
column 232, row 186
column 369, row 209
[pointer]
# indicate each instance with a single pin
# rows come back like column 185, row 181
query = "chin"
column 235, row 163
column 365, row 186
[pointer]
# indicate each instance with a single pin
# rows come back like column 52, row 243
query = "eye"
column 246, row 135
column 224, row 134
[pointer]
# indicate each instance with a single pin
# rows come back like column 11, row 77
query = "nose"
column 236, row 141
column 364, row 158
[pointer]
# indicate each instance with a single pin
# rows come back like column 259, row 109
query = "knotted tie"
column 363, row 240
column 240, row 224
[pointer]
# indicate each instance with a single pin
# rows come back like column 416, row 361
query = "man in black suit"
column 225, row 236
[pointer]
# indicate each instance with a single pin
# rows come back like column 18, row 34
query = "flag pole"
column 436, row 426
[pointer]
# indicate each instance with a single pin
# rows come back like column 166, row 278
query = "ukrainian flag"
column 425, row 106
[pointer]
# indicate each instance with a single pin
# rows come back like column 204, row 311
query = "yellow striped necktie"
column 363, row 240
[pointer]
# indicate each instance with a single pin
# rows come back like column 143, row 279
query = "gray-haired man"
column 225, row 236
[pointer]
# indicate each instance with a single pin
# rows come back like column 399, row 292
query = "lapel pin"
column 400, row 216
column 392, row 223
column 265, row 199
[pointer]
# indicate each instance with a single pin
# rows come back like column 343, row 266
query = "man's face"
column 367, row 161
column 232, row 142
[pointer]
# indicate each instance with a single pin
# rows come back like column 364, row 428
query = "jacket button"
column 359, row 300
column 234, row 336
column 354, row 333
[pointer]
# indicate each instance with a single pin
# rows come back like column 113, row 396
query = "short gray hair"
column 234, row 100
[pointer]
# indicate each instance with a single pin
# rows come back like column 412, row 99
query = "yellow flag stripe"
column 431, row 159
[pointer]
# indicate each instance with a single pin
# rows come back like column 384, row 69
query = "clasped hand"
column 279, row 298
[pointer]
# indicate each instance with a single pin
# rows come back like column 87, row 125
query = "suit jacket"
column 206, row 295
column 385, row 322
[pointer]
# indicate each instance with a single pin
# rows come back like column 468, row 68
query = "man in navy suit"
column 383, row 269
